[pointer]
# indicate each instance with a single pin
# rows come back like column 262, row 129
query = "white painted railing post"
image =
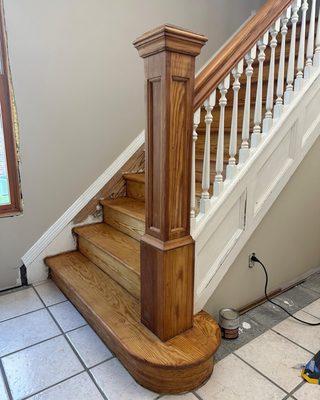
column 310, row 46
column 268, row 120
column 245, row 151
column 288, row 96
column 218, row 181
column 278, row 108
column 193, row 202
column 206, row 171
column 316, row 60
column 301, row 56
column 232, row 167
column 256, row 135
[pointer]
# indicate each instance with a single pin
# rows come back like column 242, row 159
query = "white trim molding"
column 59, row 237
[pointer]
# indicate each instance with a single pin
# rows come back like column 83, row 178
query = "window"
column 9, row 178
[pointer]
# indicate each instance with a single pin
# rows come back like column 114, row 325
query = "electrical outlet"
column 251, row 262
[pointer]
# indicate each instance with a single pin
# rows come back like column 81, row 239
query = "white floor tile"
column 79, row 387
column 89, row 346
column 18, row 303
column 3, row 389
column 188, row 396
column 275, row 357
column 308, row 392
column 313, row 308
column 304, row 335
column 49, row 293
column 34, row 369
column 118, row 384
column 26, row 330
column 67, row 316
column 232, row 379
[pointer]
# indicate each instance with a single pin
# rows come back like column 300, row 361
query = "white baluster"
column 316, row 60
column 205, row 197
column 278, row 108
column 310, row 46
column 268, row 121
column 193, row 202
column 288, row 96
column 245, row 151
column 256, row 135
column 231, row 167
column 301, row 57
column 218, row 181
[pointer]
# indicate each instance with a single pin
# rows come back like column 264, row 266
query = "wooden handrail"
column 234, row 51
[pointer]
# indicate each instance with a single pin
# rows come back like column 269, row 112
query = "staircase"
column 210, row 178
column 102, row 279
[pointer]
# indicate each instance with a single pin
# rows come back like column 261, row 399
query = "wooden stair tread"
column 116, row 316
column 132, row 207
column 112, row 241
column 135, row 177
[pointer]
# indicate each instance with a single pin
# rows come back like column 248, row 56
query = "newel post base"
column 167, row 249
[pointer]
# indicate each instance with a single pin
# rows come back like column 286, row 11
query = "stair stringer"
column 222, row 233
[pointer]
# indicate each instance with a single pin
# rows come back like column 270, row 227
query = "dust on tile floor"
column 49, row 352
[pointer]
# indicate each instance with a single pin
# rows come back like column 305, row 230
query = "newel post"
column 167, row 249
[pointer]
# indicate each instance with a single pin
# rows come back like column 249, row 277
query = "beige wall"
column 287, row 240
column 79, row 90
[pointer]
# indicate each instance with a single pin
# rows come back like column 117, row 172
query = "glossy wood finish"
column 114, row 252
column 126, row 215
column 167, row 249
column 235, row 50
column 180, row 364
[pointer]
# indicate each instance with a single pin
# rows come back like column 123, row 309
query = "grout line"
column 297, row 388
column 260, row 373
column 197, row 395
column 74, row 350
column 289, row 340
column 21, row 315
column 31, row 345
column 5, row 380
column 313, row 290
column 53, row 385
column 307, row 312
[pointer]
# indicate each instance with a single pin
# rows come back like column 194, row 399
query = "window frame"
column 6, row 102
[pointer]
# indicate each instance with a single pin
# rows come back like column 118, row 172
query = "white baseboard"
column 58, row 237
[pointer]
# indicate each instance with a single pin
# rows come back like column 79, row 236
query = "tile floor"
column 49, row 352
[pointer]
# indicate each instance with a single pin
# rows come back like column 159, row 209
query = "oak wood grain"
column 177, row 365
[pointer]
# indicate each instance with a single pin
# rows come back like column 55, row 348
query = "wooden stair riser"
column 112, row 266
column 124, row 222
column 135, row 190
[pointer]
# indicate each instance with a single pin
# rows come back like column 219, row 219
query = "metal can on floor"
column 229, row 321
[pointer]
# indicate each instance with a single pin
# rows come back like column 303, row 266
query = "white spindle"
column 310, row 46
column 316, row 60
column 193, row 202
column 218, row 180
column 288, row 96
column 256, row 135
column 302, row 45
column 278, row 108
column 267, row 122
column 231, row 167
column 245, row 151
column 206, row 171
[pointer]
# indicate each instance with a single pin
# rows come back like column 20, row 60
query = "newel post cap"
column 169, row 38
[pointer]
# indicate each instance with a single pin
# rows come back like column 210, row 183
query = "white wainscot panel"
column 211, row 255
column 312, row 117
column 274, row 169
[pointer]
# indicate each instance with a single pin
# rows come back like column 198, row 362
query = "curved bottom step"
column 181, row 364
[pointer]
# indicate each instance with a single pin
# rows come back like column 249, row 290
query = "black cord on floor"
column 255, row 259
